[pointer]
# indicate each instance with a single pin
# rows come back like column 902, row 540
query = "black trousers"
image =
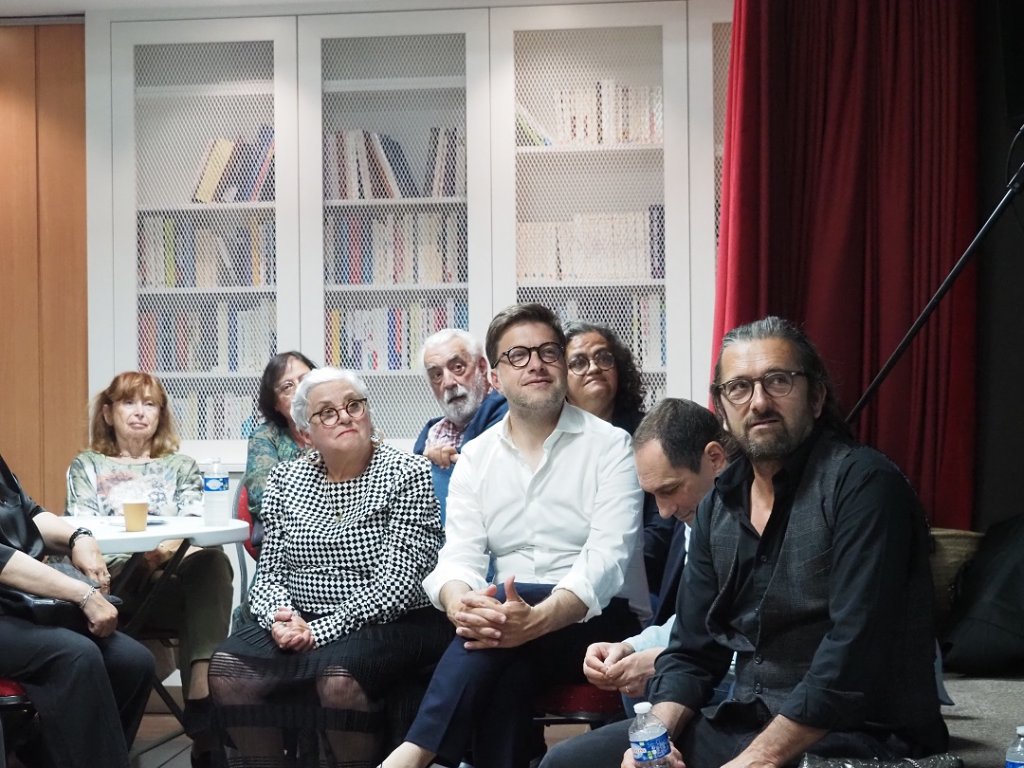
column 90, row 693
column 482, row 700
column 707, row 744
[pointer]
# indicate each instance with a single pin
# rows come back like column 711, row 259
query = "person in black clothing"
column 809, row 562
column 90, row 690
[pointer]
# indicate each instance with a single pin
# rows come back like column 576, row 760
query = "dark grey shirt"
column 872, row 570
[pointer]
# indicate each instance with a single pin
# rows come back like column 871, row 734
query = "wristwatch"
column 79, row 532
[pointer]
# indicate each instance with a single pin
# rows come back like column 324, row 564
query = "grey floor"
column 982, row 722
column 981, row 726
column 175, row 752
column 160, row 744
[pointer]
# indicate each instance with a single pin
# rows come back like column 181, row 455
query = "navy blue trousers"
column 483, row 700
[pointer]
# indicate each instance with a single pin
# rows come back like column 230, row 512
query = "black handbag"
column 944, row 760
column 49, row 611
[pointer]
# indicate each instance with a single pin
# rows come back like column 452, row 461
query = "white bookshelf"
column 163, row 84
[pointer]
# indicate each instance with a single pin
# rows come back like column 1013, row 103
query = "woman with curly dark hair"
column 604, row 380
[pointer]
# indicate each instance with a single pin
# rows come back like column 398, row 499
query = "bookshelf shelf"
column 577, row 284
column 393, row 202
column 396, row 373
column 209, row 376
column 385, row 84
column 208, row 208
column 206, row 90
column 555, row 150
column 213, row 291
column 401, row 288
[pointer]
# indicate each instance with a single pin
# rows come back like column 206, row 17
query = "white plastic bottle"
column 216, row 495
column 1015, row 754
column 648, row 738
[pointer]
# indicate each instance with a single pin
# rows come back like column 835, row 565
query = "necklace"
column 127, row 455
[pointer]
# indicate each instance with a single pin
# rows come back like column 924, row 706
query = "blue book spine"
column 396, row 157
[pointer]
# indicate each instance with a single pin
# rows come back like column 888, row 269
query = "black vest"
column 794, row 609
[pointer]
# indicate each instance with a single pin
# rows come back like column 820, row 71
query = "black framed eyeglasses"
column 330, row 415
column 775, row 384
column 580, row 364
column 519, row 357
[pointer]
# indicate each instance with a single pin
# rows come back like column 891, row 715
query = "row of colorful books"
column 593, row 246
column 364, row 247
column 605, row 113
column 213, row 417
column 388, row 338
column 237, row 169
column 363, row 165
column 176, row 252
column 232, row 336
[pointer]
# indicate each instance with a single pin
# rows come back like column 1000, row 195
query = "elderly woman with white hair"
column 351, row 530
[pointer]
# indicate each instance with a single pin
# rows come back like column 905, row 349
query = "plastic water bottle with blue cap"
column 1015, row 754
column 216, row 495
column 648, row 738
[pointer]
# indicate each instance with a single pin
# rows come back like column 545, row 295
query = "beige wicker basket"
column 951, row 549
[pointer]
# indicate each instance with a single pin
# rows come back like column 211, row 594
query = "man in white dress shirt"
column 550, row 494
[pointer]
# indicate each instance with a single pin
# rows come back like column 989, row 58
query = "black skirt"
column 391, row 662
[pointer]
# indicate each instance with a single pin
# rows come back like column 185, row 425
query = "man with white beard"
column 457, row 372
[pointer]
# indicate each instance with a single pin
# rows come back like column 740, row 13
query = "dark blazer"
column 490, row 412
column 673, row 575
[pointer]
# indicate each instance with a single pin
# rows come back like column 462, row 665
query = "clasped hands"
column 616, row 667
column 483, row 621
column 290, row 631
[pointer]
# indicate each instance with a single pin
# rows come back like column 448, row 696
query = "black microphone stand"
column 1012, row 189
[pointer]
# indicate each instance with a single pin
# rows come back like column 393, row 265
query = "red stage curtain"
column 848, row 193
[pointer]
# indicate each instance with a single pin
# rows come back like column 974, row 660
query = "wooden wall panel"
column 20, row 405
column 60, row 113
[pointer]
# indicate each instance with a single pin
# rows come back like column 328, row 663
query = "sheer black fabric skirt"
column 361, row 691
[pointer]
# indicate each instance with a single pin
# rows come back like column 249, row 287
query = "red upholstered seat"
column 242, row 513
column 15, row 713
column 578, row 703
column 12, row 693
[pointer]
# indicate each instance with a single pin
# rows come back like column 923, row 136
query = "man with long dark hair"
column 809, row 562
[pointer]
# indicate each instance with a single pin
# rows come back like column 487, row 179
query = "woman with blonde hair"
column 133, row 455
